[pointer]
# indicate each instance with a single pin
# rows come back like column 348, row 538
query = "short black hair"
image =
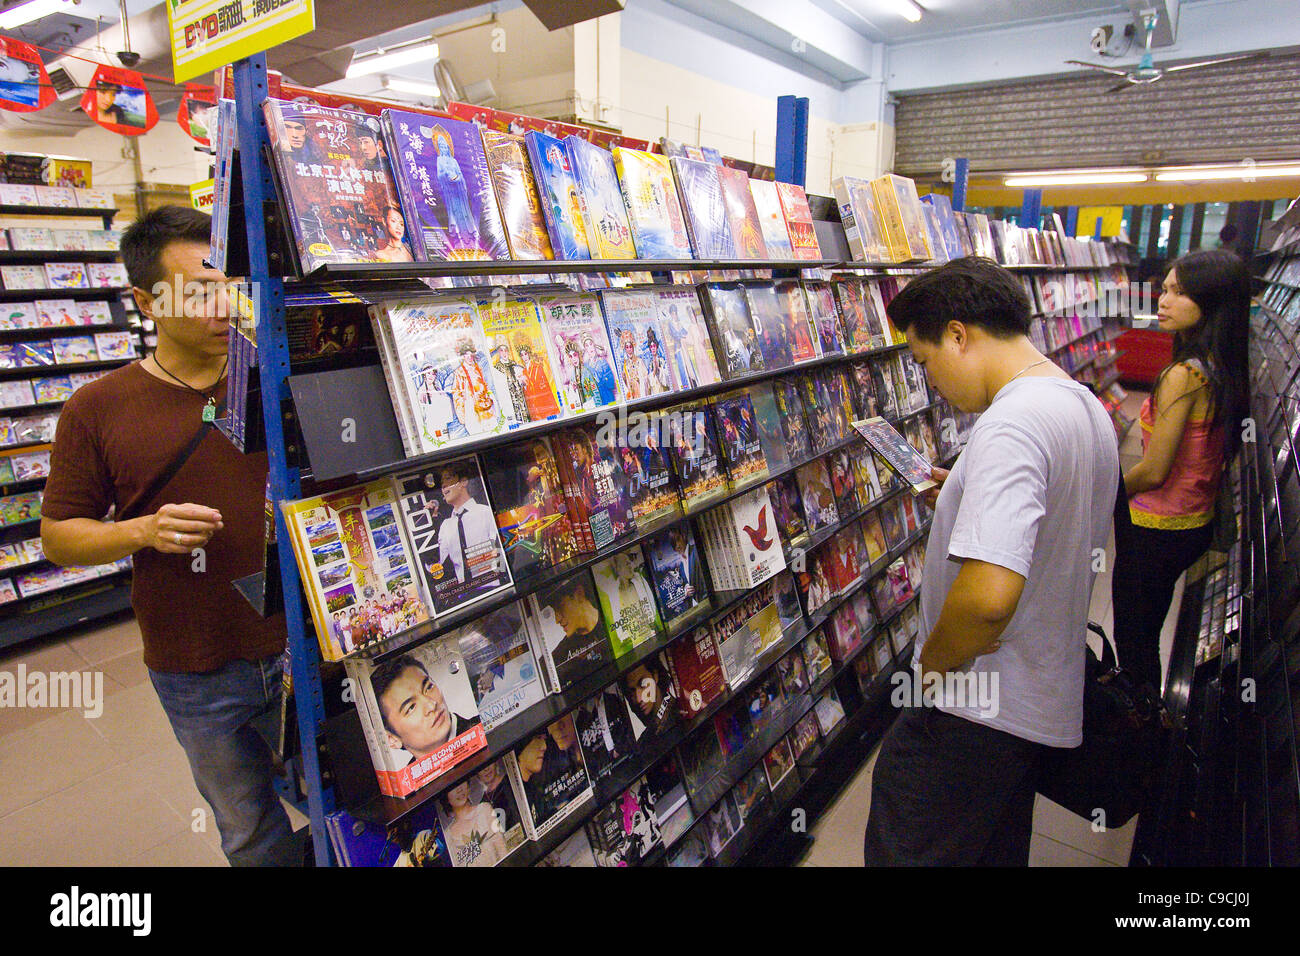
column 972, row 290
column 145, row 239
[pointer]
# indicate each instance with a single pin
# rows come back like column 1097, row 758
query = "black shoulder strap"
column 165, row 476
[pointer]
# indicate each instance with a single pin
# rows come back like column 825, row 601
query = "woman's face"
column 396, row 225
column 458, row 796
column 1176, row 311
column 104, row 97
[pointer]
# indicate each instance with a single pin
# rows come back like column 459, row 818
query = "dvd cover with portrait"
column 766, row 311
column 735, row 334
column 520, row 362
column 521, row 207
column 653, row 209
column 686, row 338
column 700, row 190
column 644, row 367
column 531, row 513
column 580, row 351
column 501, row 664
column 609, row 236
column 563, row 206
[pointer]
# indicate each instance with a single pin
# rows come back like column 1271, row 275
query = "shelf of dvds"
column 70, row 212
column 309, row 452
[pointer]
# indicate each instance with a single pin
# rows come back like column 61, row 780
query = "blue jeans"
column 223, row 719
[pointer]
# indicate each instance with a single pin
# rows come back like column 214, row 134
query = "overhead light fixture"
column 27, row 12
column 1081, row 177
column 399, row 85
column 1205, row 173
column 909, row 10
column 392, row 58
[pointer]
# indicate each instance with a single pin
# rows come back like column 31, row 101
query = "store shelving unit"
column 92, row 596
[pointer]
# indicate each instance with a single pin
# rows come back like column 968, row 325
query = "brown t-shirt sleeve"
column 79, row 485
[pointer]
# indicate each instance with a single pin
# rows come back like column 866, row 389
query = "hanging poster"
column 118, row 100
column 24, row 85
column 196, row 114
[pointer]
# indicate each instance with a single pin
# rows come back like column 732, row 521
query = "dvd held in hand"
column 898, row 454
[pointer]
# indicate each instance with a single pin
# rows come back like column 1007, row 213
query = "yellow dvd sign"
column 208, row 34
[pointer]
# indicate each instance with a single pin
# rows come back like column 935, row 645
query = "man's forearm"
column 85, row 541
column 964, row 631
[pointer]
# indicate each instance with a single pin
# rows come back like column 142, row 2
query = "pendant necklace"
column 210, row 406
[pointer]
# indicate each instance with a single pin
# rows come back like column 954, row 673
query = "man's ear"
column 959, row 333
column 144, row 302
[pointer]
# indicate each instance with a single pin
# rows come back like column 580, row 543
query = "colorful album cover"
column 829, row 710
column 778, row 763
column 453, row 533
column 896, row 574
column 892, row 521
column 746, row 229
column 798, row 221
column 550, row 774
column 695, row 455
column 771, row 433
column 626, row 832
column 678, row 574
column 651, row 697
column 580, row 351
column 834, row 386
column 700, row 189
column 53, row 388
column 793, row 671
column 644, row 367
column 66, row 275
column 818, row 495
column 818, row 413
column 750, row 522
column 653, row 210
column 735, row 336
column 805, row 734
column 793, row 425
column 521, row 367
column 882, row 377
column 521, row 207
column 31, row 238
column 672, row 809
column 563, row 206
column 356, row 566
column 803, row 332
column 106, row 275
column 110, row 346
column 608, row 234
column 898, row 454
column 787, row 508
column 343, row 204
column 874, row 534
column 72, row 349
column 480, row 818
column 595, row 485
column 816, row 655
column 867, row 477
column 17, row 392
column 570, row 628
column 30, row 465
column 443, row 372
column 650, row 487
column 18, row 315
column 627, row 600
column 94, row 313
column 16, row 509
column 442, row 176
column 531, row 513
column 769, row 320
column 844, row 482
column 771, row 220
column 417, row 841
column 604, row 726
column 686, row 338
column 501, row 665
column 742, row 448
column 52, row 313
column 18, row 278
column 864, row 390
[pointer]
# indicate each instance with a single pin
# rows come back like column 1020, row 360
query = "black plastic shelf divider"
column 32, row 295
column 59, row 331
column 429, row 270
column 9, row 257
column 70, row 212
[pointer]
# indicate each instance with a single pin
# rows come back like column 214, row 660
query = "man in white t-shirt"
column 1006, row 585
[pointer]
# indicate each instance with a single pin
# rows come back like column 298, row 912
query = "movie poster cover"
column 767, row 419
column 706, row 208
column 650, row 486
column 501, row 665
column 521, row 367
column 599, row 485
column 343, row 204
column 643, row 365
column 442, row 175
column 443, row 370
column 551, row 775
column 898, row 454
column 798, row 221
column 771, row 220
column 357, row 567
column 454, row 533
column 653, row 210
column 581, row 356
column 787, row 508
column 794, row 426
column 804, row 344
column 735, row 335
column 531, row 513
column 563, row 207
column 568, row 621
column 678, row 574
column 742, row 450
column 818, row 495
column 626, row 600
column 608, row 234
column 746, row 230
column 686, row 338
column 521, row 207
column 695, row 455
column 774, row 338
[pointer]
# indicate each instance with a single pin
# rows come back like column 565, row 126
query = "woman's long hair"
column 1217, row 281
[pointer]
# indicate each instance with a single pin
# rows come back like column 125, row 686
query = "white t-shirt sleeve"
column 1003, row 499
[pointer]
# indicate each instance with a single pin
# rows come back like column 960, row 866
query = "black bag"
column 1108, row 778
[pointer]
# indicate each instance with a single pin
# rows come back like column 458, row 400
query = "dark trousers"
column 947, row 791
column 1147, row 566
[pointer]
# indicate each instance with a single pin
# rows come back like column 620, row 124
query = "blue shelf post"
column 961, row 178
column 792, row 140
column 267, row 292
column 1032, row 210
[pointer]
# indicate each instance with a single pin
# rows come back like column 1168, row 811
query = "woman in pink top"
column 1191, row 427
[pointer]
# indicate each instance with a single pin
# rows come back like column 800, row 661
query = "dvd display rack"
column 58, row 330
column 301, row 407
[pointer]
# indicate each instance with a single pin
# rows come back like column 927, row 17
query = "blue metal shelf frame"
column 273, row 368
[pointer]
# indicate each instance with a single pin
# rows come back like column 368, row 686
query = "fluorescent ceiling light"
column 1074, row 179
column 27, row 12
column 908, row 10
column 1227, row 172
column 391, row 61
column 398, row 85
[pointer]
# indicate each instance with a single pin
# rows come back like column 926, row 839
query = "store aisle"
column 1060, row 838
column 110, row 790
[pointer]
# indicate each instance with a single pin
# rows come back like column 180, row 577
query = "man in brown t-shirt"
column 213, row 661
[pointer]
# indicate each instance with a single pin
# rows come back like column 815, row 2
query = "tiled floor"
column 116, row 789
column 110, row 790
column 1060, row 838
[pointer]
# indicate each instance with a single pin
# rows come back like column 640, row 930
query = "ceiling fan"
column 1146, row 70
